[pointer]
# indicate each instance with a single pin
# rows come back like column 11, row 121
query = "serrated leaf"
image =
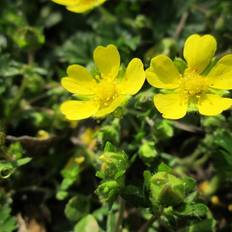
column 193, row 210
column 109, row 147
column 164, row 168
column 190, row 184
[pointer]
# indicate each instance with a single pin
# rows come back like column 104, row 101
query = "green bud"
column 166, row 190
column 108, row 191
column 113, row 165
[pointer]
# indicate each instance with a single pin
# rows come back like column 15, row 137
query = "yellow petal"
column 107, row 60
column 112, row 107
column 79, row 80
column 84, row 5
column 171, row 106
column 133, row 79
column 67, row 2
column 210, row 104
column 77, row 110
column 162, row 73
column 220, row 76
column 199, row 50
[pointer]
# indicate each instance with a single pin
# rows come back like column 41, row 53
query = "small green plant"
column 94, row 141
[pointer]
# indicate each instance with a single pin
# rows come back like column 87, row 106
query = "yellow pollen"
column 106, row 93
column 193, row 85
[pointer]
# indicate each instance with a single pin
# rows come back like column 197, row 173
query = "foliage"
column 7, row 222
column 132, row 170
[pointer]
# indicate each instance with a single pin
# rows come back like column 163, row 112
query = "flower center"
column 106, row 93
column 193, row 85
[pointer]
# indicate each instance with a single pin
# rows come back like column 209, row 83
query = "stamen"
column 106, row 93
column 193, row 85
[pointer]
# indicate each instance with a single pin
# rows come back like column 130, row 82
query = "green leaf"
column 7, row 222
column 164, row 129
column 190, row 184
column 77, row 207
column 29, row 37
column 70, row 175
column 23, row 161
column 193, row 210
column 109, row 132
column 109, row 147
column 87, row 224
column 147, row 151
column 180, row 64
column 223, row 154
column 134, row 195
column 147, row 178
column 6, row 169
column 16, row 150
column 164, row 168
column 207, row 225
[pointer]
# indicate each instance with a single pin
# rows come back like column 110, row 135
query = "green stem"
column 19, row 94
column 202, row 160
column 16, row 101
column 118, row 226
column 189, row 161
column 147, row 225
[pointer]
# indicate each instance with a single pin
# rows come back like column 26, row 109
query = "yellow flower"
column 80, row 6
column 103, row 93
column 192, row 88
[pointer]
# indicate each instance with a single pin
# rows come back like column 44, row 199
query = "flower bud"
column 166, row 190
column 108, row 191
column 113, row 166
